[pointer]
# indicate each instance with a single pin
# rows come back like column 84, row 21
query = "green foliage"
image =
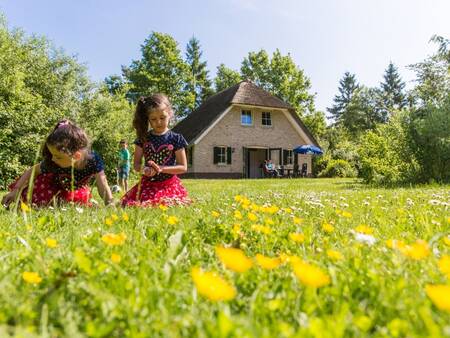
column 199, row 84
column 281, row 77
column 392, row 91
column 225, row 78
column 161, row 69
column 338, row 168
column 385, row 155
column 347, row 87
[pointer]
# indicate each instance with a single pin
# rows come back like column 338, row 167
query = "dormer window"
column 246, row 118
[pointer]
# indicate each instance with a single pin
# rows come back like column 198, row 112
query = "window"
column 222, row 155
column 266, row 119
column 288, row 157
column 246, row 118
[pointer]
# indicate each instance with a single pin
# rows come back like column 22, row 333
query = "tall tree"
column 199, row 84
column 281, row 77
column 160, row 69
column 392, row 91
column 347, row 87
column 226, row 77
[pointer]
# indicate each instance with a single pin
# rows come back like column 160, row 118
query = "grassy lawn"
column 325, row 258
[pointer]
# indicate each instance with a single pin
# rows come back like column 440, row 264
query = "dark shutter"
column 285, row 156
column 216, row 155
column 190, row 155
column 228, row 155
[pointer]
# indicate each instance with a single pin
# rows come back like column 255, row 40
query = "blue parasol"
column 308, row 149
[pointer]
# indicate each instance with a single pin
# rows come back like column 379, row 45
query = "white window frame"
column 222, row 154
column 290, row 157
column 265, row 118
column 251, row 117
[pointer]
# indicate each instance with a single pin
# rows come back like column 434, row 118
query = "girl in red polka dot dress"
column 64, row 173
column 164, row 156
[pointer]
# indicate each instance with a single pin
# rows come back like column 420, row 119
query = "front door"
column 255, row 161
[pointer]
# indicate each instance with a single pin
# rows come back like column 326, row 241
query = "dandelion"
column 163, row 207
column 364, row 229
column 51, row 243
column 236, row 230
column 261, row 228
column 328, row 228
column 212, row 286
column 237, row 214
column 310, row 275
column 238, row 198
column 234, row 259
column 125, row 217
column 287, row 210
column 31, row 277
column 115, row 258
column 267, row 263
column 296, row 237
column 172, row 220
column 252, row 217
column 334, row 255
column 24, row 207
column 255, row 207
column 215, row 214
column 298, row 220
column 346, row 214
column 395, row 244
column 444, row 265
column 114, row 239
column 447, row 240
column 439, row 295
column 108, row 221
column 417, row 250
column 269, row 221
column 114, row 217
column 285, row 258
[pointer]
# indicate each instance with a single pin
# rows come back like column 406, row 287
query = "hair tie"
column 62, row 124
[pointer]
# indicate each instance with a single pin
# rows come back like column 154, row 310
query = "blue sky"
column 324, row 37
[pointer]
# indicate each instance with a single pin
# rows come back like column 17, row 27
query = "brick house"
column 234, row 131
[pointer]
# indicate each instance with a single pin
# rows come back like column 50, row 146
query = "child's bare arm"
column 21, row 183
column 180, row 167
column 137, row 160
column 103, row 187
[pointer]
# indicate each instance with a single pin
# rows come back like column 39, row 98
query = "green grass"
column 374, row 290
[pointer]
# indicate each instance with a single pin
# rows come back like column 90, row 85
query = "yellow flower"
column 125, row 217
column 261, row 228
column 395, row 244
column 328, row 228
column 334, row 255
column 237, row 214
column 285, row 258
column 267, row 262
column 24, row 207
column 234, row 259
column 444, row 265
column 364, row 229
column 269, row 221
column 108, row 221
column 236, row 230
column 163, row 207
column 115, row 258
column 212, row 286
column 172, row 220
column 51, row 243
column 298, row 220
column 252, row 217
column 447, row 240
column 439, row 295
column 272, row 209
column 114, row 217
column 287, row 210
column 215, row 214
column 346, row 214
column 417, row 250
column 114, row 239
column 310, row 275
column 255, row 207
column 296, row 237
column 31, row 277
column 238, row 198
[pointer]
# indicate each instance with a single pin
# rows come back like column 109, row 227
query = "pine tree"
column 347, row 88
column 393, row 97
column 199, row 84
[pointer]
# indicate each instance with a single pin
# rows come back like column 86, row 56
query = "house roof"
column 245, row 93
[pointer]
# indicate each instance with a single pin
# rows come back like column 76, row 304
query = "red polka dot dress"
column 163, row 188
column 56, row 184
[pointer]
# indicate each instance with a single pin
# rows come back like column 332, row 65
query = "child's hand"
column 9, row 198
column 148, row 171
column 155, row 167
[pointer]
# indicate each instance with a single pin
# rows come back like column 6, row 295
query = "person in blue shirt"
column 123, row 165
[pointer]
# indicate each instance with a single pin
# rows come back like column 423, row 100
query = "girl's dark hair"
column 67, row 138
column 145, row 106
